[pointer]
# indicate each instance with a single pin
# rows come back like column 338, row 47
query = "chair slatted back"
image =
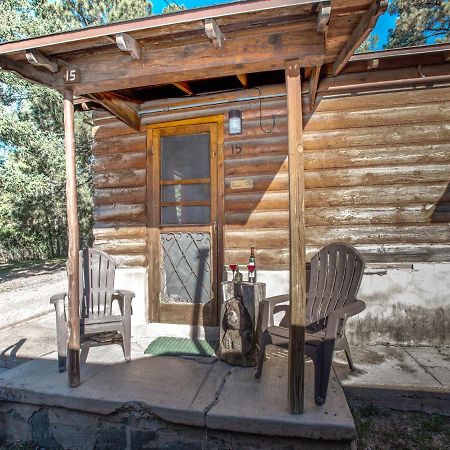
column 97, row 271
column 336, row 274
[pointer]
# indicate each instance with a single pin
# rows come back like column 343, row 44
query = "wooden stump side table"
column 238, row 319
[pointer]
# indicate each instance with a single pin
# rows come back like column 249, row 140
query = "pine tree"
column 419, row 21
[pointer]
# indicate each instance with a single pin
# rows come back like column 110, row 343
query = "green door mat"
column 175, row 346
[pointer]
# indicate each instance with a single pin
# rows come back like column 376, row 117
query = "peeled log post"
column 73, row 270
column 297, row 263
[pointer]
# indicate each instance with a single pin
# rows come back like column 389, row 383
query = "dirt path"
column 25, row 290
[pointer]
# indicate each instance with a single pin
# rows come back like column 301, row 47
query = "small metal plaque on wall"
column 242, row 184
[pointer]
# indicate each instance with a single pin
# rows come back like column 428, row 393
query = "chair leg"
column 126, row 335
column 322, row 368
column 265, row 339
column 61, row 338
column 346, row 349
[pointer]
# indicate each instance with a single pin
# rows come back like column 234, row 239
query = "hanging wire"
column 260, row 114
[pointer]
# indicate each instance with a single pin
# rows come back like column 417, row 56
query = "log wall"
column 377, row 176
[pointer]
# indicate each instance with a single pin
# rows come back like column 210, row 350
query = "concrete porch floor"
column 197, row 392
column 212, row 395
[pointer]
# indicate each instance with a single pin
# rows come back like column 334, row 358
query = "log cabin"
column 331, row 146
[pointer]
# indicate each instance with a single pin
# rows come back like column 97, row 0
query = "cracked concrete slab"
column 383, row 366
column 260, row 406
column 436, row 361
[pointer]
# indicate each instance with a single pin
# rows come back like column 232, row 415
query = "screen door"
column 185, row 211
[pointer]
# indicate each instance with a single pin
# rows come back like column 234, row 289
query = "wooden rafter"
column 243, row 78
column 323, row 16
column 37, row 58
column 214, row 32
column 28, row 72
column 364, row 27
column 126, row 43
column 373, row 63
column 313, row 84
column 184, row 86
column 123, row 108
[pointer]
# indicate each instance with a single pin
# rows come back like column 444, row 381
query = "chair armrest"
column 342, row 314
column 59, row 301
column 124, row 293
column 124, row 298
column 266, row 308
column 54, row 299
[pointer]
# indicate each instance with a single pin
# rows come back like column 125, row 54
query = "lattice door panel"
column 186, row 267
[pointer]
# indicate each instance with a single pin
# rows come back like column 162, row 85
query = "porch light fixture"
column 234, row 122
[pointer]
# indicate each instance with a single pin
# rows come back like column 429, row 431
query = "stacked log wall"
column 377, row 175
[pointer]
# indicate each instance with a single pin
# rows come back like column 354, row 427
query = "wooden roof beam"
column 313, row 84
column 362, row 30
column 37, row 58
column 27, row 72
column 243, row 78
column 323, row 16
column 184, row 86
column 126, row 43
column 122, row 107
column 214, row 32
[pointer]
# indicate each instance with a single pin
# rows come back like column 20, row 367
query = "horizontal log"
column 120, row 161
column 257, row 219
column 122, row 246
column 394, row 99
column 381, row 135
column 118, row 212
column 391, row 194
column 351, row 215
column 267, row 259
column 321, row 235
column 120, row 195
column 131, row 260
column 376, row 176
column 256, row 165
column 264, row 146
column 380, row 234
column 120, row 178
column 378, row 156
column 339, row 177
column 119, row 232
column 131, row 143
column 257, row 201
column 404, row 114
column 114, row 129
column 252, row 129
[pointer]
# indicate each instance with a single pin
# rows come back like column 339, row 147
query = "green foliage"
column 173, row 7
column 32, row 166
column 369, row 45
column 419, row 20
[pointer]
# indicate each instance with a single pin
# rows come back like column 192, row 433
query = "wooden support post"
column 73, row 269
column 297, row 239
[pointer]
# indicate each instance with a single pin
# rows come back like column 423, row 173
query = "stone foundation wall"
column 133, row 427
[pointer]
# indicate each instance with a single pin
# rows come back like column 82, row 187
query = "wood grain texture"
column 374, row 159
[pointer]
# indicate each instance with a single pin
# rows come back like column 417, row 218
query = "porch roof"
column 253, row 36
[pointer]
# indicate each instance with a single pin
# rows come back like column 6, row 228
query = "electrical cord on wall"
column 260, row 115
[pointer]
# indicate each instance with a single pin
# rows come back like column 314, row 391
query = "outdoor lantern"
column 234, row 122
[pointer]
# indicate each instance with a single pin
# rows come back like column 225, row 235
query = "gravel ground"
column 25, row 290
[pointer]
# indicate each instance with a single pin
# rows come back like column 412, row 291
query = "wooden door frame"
column 153, row 225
